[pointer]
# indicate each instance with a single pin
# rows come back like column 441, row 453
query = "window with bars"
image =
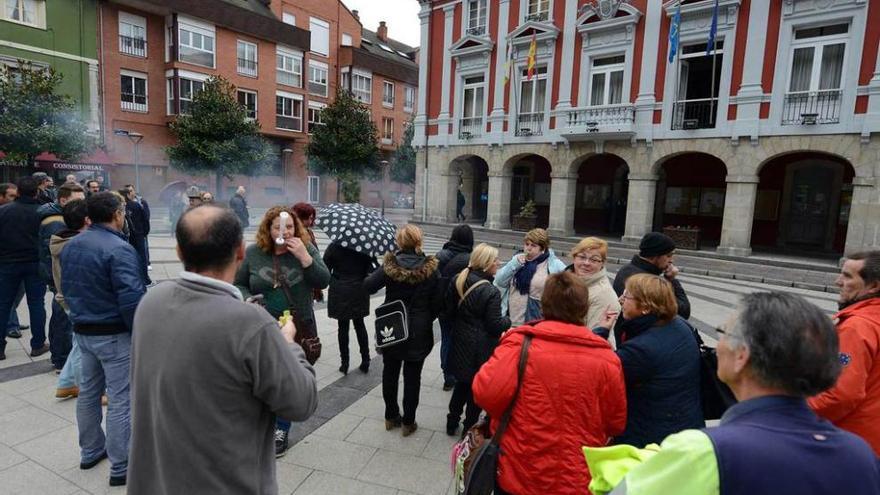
column 815, row 86
column 472, row 109
column 476, row 21
column 247, row 58
column 133, row 91
column 533, row 92
column 248, row 99
column 288, row 67
column 132, row 35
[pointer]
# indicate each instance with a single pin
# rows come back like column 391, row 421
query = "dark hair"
column 75, row 213
column 304, row 211
column 27, row 187
column 792, row 344
column 566, row 298
column 463, row 235
column 102, row 206
column 5, row 187
column 870, row 273
column 92, row 180
column 67, row 190
column 124, row 193
column 208, row 237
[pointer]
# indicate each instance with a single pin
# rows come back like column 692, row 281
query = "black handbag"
column 480, row 476
column 715, row 395
column 391, row 322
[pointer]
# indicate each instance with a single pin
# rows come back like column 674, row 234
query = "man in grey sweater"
column 210, row 373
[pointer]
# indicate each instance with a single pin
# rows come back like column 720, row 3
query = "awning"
column 97, row 161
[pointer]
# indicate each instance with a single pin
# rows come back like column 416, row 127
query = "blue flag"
column 710, row 45
column 674, row 33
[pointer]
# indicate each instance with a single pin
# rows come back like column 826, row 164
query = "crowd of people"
column 203, row 375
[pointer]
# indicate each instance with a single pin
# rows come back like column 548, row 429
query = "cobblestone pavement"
column 344, row 449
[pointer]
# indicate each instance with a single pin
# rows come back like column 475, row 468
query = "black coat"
column 239, row 205
column 140, row 223
column 639, row 265
column 452, row 259
column 412, row 278
column 347, row 298
column 477, row 325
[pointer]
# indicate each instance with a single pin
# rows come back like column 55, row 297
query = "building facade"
column 764, row 137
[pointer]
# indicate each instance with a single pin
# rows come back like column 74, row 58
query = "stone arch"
column 530, row 179
column 468, row 173
column 601, row 193
column 847, row 147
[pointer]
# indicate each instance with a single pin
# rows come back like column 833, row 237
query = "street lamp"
column 135, row 138
column 384, row 164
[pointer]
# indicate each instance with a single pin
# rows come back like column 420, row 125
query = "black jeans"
column 412, row 382
column 60, row 335
column 360, row 331
column 463, row 395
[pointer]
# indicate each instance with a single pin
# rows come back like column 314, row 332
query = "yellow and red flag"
column 533, row 49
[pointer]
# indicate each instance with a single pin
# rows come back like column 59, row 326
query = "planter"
column 684, row 237
column 524, row 224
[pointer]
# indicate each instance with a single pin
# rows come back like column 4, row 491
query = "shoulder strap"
column 282, row 282
column 505, row 419
column 471, row 288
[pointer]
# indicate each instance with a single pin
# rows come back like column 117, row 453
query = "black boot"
column 365, row 365
column 451, row 425
column 343, row 368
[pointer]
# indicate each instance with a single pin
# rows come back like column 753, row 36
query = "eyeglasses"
column 626, row 296
column 593, row 259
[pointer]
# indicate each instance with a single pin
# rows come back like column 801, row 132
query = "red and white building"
column 768, row 139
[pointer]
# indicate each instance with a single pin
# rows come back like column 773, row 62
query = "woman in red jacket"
column 572, row 395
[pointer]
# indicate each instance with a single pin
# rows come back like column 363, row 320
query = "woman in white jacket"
column 589, row 257
column 521, row 280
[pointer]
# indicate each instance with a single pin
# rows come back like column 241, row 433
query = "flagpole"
column 677, row 88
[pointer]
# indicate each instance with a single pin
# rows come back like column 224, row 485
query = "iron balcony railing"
column 530, row 124
column 133, row 46
column 694, row 114
column 593, row 118
column 477, row 30
column 247, row 67
column 470, row 127
column 812, row 107
column 538, row 16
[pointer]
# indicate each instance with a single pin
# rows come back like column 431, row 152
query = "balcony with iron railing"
column 538, row 16
column 477, row 30
column 470, row 127
column 812, row 107
column 530, row 124
column 136, row 47
column 607, row 121
column 694, row 114
column 247, row 67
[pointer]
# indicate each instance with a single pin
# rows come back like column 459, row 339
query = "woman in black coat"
column 409, row 276
column 348, row 300
column 453, row 258
column 476, row 305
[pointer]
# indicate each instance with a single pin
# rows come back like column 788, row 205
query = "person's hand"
column 609, row 317
column 296, row 247
column 521, row 258
column 288, row 331
column 671, row 271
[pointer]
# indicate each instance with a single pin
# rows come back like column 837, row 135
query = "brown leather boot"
column 67, row 392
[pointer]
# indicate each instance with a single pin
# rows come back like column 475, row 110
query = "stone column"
column 739, row 212
column 94, row 101
column 751, row 92
column 568, row 37
column 872, row 119
column 496, row 118
column 498, row 214
column 639, row 207
column 645, row 100
column 421, row 120
column 863, row 229
column 562, row 198
column 444, row 118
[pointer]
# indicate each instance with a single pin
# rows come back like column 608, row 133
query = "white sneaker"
column 149, row 268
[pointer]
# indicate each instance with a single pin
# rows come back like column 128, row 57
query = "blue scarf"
column 523, row 278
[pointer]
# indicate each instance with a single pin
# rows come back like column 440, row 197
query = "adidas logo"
column 387, row 332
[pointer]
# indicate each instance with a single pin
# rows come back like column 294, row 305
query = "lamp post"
column 286, row 156
column 384, row 164
column 136, row 138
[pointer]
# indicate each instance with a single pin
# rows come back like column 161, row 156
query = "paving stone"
column 26, row 424
column 29, row 478
column 432, row 418
column 413, row 474
column 10, row 457
column 371, row 432
column 321, row 483
column 439, row 448
column 24, row 385
column 340, row 427
column 10, row 403
column 290, row 477
column 45, row 451
column 95, row 480
column 369, row 406
column 327, row 454
column 44, row 398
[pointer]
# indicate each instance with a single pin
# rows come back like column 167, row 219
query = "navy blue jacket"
column 19, row 231
column 661, row 366
column 140, row 223
column 51, row 223
column 102, row 281
column 637, row 266
column 776, row 444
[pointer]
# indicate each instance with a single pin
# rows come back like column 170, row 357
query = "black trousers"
column 360, row 331
column 462, row 396
column 412, row 382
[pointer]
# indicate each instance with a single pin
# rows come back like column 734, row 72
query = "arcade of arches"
column 803, row 201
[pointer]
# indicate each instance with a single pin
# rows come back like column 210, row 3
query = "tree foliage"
column 35, row 118
column 403, row 163
column 345, row 146
column 217, row 137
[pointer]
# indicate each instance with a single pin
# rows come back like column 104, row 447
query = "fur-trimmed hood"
column 409, row 267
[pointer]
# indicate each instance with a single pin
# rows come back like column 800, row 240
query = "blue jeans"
column 11, row 277
column 445, row 346
column 70, row 375
column 13, row 323
column 106, row 362
column 60, row 335
column 282, row 424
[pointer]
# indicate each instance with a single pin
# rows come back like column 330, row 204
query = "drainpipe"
column 100, row 101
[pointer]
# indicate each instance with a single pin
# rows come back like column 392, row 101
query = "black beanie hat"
column 655, row 244
column 463, row 235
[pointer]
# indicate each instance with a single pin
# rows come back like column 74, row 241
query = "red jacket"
column 572, row 396
column 853, row 403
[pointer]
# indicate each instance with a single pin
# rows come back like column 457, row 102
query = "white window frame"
column 256, row 101
column 390, row 135
column 288, row 18
column 362, row 87
column 314, row 47
column 478, row 26
column 192, row 84
column 386, row 101
column 316, row 180
column 526, row 5
column 39, row 13
column 134, row 106
column 315, row 82
column 538, row 76
column 296, row 64
column 295, row 98
column 347, row 40
column 409, row 98
column 314, row 108
column 818, row 44
column 247, row 46
column 204, row 32
column 127, row 23
column 608, row 70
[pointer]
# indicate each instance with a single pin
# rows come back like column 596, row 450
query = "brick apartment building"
column 285, row 59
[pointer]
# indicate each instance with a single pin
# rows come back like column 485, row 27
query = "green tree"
column 403, row 163
column 217, row 137
column 34, row 118
column 345, row 145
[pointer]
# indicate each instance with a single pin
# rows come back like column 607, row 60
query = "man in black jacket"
column 138, row 229
column 452, row 259
column 239, row 206
column 656, row 251
column 19, row 263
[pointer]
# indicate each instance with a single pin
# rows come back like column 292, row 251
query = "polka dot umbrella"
column 358, row 228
